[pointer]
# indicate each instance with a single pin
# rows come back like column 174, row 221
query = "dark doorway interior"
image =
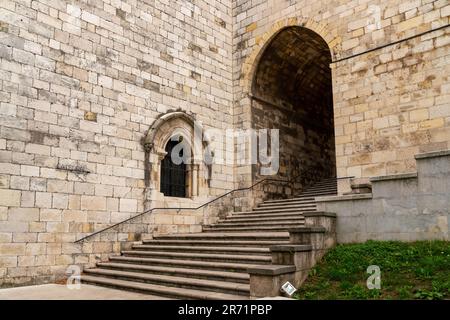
column 173, row 176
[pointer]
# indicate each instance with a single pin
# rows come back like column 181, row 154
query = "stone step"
column 229, row 243
column 257, row 229
column 183, row 263
column 265, row 215
column 165, row 291
column 255, row 224
column 317, row 194
column 262, row 218
column 242, row 235
column 275, row 211
column 286, row 203
column 327, row 179
column 251, row 259
column 283, row 207
column 325, row 183
column 212, row 264
column 173, row 281
column 180, row 272
column 198, row 249
column 319, row 190
column 297, row 198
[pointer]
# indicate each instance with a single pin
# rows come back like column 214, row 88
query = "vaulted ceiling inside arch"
column 294, row 69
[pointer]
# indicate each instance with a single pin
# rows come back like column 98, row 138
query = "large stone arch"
column 287, row 81
column 250, row 63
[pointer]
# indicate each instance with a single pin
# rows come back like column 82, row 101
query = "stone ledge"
column 434, row 154
column 411, row 175
column 361, row 185
column 320, row 214
column 344, row 197
column 291, row 248
column 271, row 270
column 308, row 230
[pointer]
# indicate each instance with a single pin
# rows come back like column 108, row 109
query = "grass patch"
column 417, row 270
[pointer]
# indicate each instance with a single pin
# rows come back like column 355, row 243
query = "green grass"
column 418, row 270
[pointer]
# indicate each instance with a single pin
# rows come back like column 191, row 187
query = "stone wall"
column 390, row 101
column 406, row 207
column 80, row 84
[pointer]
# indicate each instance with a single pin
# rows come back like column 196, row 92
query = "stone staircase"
column 212, row 264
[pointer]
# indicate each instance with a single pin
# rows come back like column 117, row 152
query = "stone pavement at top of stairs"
column 61, row 292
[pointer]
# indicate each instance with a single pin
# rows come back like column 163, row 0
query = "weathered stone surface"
column 10, row 198
column 81, row 85
column 90, row 116
column 405, row 207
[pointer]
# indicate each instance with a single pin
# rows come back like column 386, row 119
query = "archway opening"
column 292, row 92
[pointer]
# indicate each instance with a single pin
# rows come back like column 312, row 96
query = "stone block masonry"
column 404, row 207
column 80, row 84
column 389, row 103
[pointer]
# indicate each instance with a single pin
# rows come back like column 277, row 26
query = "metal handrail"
column 192, row 208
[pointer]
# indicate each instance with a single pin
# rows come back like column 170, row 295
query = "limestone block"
column 43, row 200
column 12, row 249
column 50, row 215
column 25, row 237
column 37, row 226
column 93, row 203
column 10, row 198
column 71, row 248
column 89, row 17
column 74, row 202
column 102, row 247
column 60, row 200
column 30, row 171
column 26, row 261
column 27, row 199
column 164, row 219
column 57, row 227
column 98, row 216
column 128, row 205
column 64, row 259
column 23, row 214
column 34, row 249
column 8, row 261
column 5, row 237
column 74, row 216
column 45, row 260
